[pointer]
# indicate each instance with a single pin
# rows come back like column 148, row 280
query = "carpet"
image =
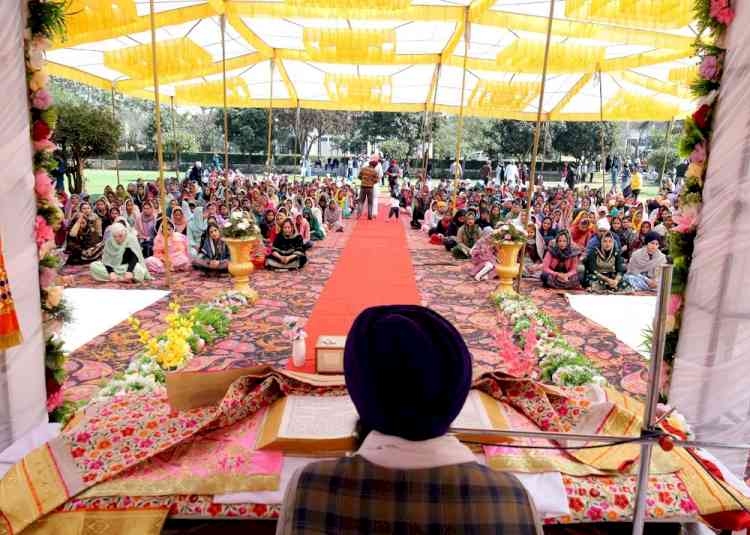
column 374, row 269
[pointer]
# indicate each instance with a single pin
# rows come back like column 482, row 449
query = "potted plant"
column 508, row 241
column 242, row 235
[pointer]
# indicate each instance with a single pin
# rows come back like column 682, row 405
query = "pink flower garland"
column 722, row 11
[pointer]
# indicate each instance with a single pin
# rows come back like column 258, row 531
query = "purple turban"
column 408, row 371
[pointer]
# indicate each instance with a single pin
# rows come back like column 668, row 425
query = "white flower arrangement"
column 241, row 225
column 143, row 375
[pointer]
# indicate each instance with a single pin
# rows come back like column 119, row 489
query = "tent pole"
column 666, row 144
column 652, row 394
column 530, row 186
column 117, row 151
column 224, row 89
column 269, row 160
column 601, row 131
column 544, row 147
column 426, row 155
column 296, row 137
column 460, row 132
column 159, row 149
column 174, row 140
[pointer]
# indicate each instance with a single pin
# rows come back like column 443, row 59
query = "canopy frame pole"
column 666, row 144
column 159, row 148
column 269, row 148
column 458, row 172
column 174, row 140
column 426, row 155
column 224, row 89
column 601, row 132
column 544, row 147
column 117, row 148
column 296, row 137
column 531, row 183
column 652, row 395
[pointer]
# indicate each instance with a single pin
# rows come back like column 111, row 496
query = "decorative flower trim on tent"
column 537, row 349
column 714, row 17
column 46, row 21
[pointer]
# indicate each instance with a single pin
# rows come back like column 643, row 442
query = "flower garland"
column 46, row 21
column 713, row 16
column 539, row 344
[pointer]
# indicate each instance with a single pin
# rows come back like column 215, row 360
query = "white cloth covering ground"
column 95, row 311
column 627, row 316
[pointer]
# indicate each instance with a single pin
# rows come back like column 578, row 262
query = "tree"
column 663, row 158
column 394, row 148
column 313, row 125
column 583, row 140
column 85, row 131
column 376, row 126
column 248, row 129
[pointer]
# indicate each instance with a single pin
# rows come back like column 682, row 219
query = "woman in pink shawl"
column 483, row 257
column 178, row 251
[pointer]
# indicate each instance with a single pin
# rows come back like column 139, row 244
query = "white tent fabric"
column 711, row 383
column 22, row 389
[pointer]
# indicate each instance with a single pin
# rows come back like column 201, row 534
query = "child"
column 395, row 203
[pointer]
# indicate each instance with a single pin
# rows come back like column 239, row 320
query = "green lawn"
column 97, row 179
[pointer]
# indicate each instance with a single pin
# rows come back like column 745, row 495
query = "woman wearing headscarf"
column 84, row 243
column 408, row 475
column 431, row 217
column 268, row 227
column 316, row 231
column 581, row 230
column 450, row 240
column 640, row 238
column 122, row 259
column 179, row 255
column 196, row 227
column 604, row 268
column 303, row 229
column 560, row 266
column 642, row 267
column 467, row 237
column 545, row 234
column 179, row 220
column 288, row 250
column 131, row 212
column 333, row 217
column 213, row 253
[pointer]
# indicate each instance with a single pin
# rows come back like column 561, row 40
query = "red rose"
column 594, row 493
column 621, row 501
column 575, row 504
column 665, row 497
column 701, row 116
column 77, row 452
column 128, row 431
column 214, row 509
column 40, row 131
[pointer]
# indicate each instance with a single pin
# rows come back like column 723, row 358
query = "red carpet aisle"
column 375, row 268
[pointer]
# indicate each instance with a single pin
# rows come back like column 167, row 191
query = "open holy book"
column 311, row 425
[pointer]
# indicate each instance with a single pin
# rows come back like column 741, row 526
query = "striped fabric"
column 354, row 496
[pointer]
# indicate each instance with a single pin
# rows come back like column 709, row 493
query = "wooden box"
column 329, row 354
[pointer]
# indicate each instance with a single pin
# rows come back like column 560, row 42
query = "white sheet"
column 95, row 311
column 625, row 315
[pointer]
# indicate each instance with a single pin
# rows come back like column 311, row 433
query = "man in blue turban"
column 408, row 372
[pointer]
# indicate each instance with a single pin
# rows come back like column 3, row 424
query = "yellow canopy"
column 384, row 54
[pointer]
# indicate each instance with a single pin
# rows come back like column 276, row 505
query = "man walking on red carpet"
column 368, row 177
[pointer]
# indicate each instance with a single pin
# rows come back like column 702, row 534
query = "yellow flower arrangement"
column 172, row 349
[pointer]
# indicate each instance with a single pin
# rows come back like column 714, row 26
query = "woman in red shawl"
column 581, row 230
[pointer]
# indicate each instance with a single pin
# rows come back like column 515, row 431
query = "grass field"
column 97, row 179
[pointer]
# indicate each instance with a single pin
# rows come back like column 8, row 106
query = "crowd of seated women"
column 575, row 239
column 121, row 234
